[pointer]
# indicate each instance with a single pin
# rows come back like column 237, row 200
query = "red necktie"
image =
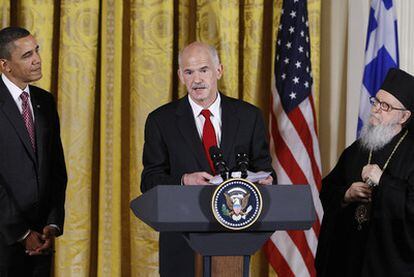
column 209, row 137
column 28, row 118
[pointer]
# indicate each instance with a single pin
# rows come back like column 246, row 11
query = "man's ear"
column 405, row 117
column 180, row 76
column 219, row 71
column 3, row 65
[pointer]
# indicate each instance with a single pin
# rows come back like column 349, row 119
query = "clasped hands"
column 40, row 244
column 362, row 191
column 203, row 178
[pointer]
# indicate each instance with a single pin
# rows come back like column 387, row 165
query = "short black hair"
column 7, row 36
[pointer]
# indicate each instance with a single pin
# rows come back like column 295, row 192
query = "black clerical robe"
column 385, row 244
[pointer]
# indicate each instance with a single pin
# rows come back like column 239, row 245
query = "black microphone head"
column 241, row 154
column 242, row 160
column 218, row 161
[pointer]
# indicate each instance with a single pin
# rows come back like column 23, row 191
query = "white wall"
column 405, row 12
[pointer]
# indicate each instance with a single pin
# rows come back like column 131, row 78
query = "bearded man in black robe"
column 368, row 198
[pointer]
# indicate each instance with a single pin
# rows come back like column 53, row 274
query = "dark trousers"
column 33, row 266
column 176, row 256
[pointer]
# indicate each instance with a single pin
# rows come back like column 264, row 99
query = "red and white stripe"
column 296, row 159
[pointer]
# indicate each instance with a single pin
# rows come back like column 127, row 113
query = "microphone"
column 220, row 165
column 242, row 160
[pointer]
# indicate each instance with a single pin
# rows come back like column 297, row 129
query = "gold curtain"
column 111, row 62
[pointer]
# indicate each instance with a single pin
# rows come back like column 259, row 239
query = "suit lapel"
column 39, row 121
column 12, row 113
column 188, row 129
column 229, row 126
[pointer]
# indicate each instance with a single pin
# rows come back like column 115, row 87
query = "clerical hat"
column 401, row 85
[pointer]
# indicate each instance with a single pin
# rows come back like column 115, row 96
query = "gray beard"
column 376, row 137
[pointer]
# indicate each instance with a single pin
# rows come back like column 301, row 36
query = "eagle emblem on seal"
column 237, row 204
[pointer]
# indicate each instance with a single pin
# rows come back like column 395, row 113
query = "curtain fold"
column 4, row 13
column 253, row 50
column 110, row 185
column 78, row 95
column 111, row 62
column 152, row 76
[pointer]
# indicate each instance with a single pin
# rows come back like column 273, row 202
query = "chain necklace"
column 392, row 153
column 363, row 209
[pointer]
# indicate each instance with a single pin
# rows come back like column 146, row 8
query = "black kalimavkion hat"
column 401, row 85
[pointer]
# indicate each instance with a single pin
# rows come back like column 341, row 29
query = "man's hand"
column 40, row 244
column 49, row 234
column 372, row 172
column 33, row 242
column 196, row 178
column 358, row 191
column 267, row 181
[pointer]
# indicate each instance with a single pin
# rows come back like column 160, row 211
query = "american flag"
column 381, row 53
column 293, row 137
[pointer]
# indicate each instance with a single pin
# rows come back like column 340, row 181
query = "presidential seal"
column 236, row 204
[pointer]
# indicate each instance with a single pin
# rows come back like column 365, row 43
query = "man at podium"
column 179, row 135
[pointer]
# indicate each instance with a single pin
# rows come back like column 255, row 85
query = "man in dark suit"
column 32, row 167
column 178, row 136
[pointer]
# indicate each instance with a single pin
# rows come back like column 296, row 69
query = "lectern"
column 187, row 209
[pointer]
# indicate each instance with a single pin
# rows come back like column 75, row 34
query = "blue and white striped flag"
column 381, row 52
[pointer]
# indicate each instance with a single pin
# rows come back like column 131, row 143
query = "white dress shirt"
column 15, row 92
column 215, row 117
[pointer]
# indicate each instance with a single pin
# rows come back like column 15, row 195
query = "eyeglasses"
column 383, row 105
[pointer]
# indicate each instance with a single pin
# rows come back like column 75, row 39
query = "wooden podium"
column 285, row 207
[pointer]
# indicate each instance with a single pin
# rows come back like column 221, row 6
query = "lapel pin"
column 38, row 106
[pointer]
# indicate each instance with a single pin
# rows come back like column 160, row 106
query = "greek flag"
column 381, row 53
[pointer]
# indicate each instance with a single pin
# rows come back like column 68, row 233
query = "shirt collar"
column 214, row 108
column 14, row 90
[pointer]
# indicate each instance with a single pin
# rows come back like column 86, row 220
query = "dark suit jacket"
column 173, row 147
column 32, row 185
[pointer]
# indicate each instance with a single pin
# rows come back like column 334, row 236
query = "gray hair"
column 213, row 53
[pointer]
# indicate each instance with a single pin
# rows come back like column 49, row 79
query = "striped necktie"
column 28, row 118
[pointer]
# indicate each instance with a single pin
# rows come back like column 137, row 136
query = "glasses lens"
column 385, row 106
